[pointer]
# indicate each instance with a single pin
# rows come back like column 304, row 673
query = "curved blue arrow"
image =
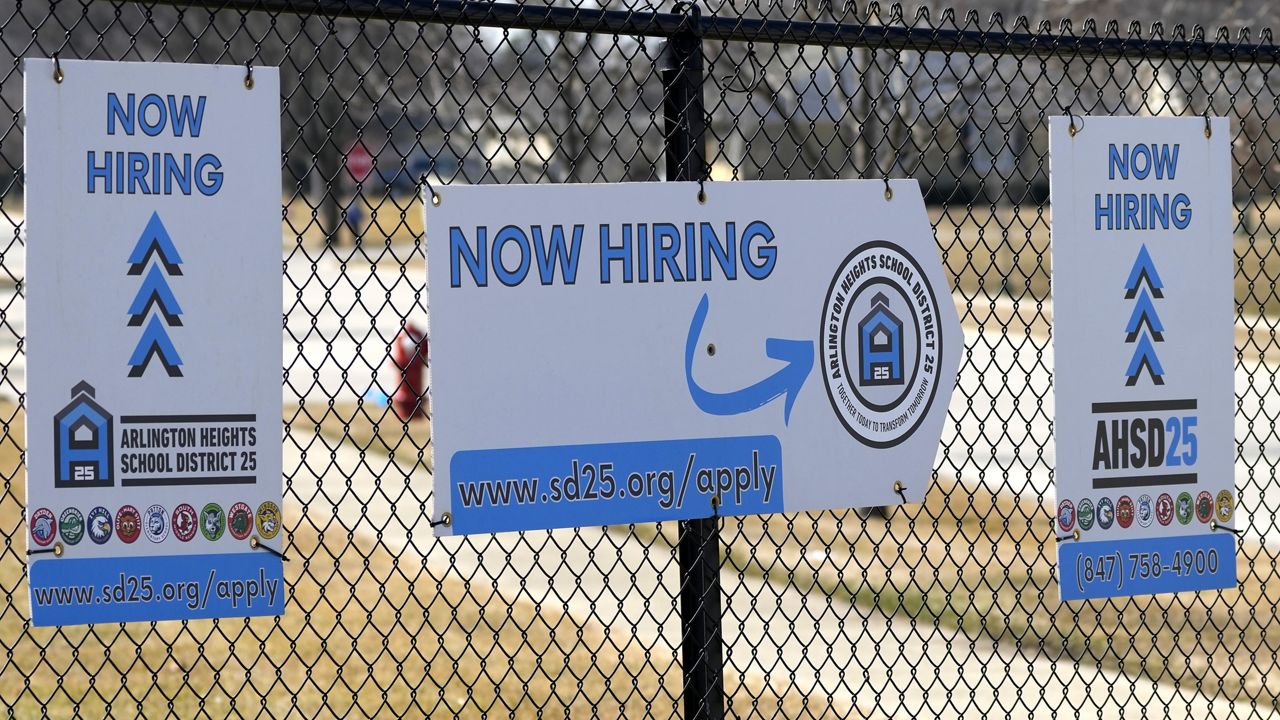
column 798, row 354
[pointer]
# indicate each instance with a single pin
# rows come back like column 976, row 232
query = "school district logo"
column 82, row 444
column 1106, row 513
column 128, row 523
column 1204, row 506
column 43, row 526
column 1084, row 514
column 1066, row 515
column 71, row 525
column 184, row 522
column 268, row 520
column 240, row 521
column 212, row 522
column 1124, row 511
column 100, row 526
column 881, row 344
column 156, row 523
column 1226, row 506
column 1146, row 511
column 1184, row 509
column 1164, row 509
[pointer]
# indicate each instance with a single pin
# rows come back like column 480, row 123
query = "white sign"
column 1143, row 315
column 622, row 353
column 153, row 341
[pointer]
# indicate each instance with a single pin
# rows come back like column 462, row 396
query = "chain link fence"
column 944, row 609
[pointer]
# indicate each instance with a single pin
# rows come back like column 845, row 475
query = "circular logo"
column 881, row 344
column 71, row 525
column 212, row 521
column 1124, row 511
column 1066, row 515
column 156, row 523
column 268, row 520
column 1204, row 506
column 44, row 526
column 1184, row 508
column 1146, row 510
column 184, row 522
column 1226, row 506
column 99, row 525
column 1106, row 513
column 1164, row 509
column 128, row 523
column 240, row 521
column 1084, row 514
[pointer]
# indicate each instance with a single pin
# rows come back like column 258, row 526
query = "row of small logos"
column 155, row 523
column 1163, row 509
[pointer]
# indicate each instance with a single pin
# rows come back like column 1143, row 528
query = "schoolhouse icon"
column 83, row 449
column 880, row 345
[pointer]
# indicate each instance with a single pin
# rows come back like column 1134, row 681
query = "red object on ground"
column 410, row 357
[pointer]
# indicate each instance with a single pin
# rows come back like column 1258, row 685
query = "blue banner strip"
column 1147, row 566
column 76, row 591
column 614, row 483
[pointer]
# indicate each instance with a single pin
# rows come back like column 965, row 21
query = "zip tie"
column 445, row 520
column 57, row 70
column 1072, row 130
column 248, row 75
column 1213, row 525
column 734, row 83
column 1075, row 535
column 888, row 191
column 1208, row 130
column 898, row 487
column 257, row 544
column 702, row 192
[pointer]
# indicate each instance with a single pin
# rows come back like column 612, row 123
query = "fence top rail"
column 873, row 29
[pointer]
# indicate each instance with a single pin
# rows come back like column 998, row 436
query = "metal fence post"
column 702, row 653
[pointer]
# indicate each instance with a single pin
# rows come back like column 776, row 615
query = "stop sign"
column 359, row 162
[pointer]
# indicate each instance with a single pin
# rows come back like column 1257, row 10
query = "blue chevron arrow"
column 1143, row 269
column 155, row 239
column 155, row 343
column 798, row 354
column 155, row 291
column 1144, row 313
column 1145, row 356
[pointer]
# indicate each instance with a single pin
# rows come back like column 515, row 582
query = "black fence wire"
column 943, row 609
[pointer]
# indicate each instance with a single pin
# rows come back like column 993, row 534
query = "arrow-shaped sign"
column 1144, row 356
column 798, row 354
column 1143, row 270
column 155, row 239
column 155, row 291
column 1144, row 313
column 155, row 343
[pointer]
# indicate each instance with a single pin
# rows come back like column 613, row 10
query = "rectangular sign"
column 1143, row 346
column 626, row 353
column 153, row 341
